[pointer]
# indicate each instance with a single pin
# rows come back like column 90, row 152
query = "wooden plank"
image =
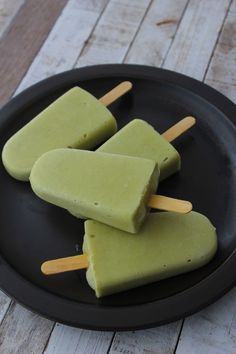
column 104, row 44
column 50, row 60
column 150, row 47
column 139, row 340
column 71, row 31
column 8, row 10
column 134, row 342
column 196, row 37
column 85, row 12
column 23, row 39
column 70, row 340
column 156, row 33
column 222, row 74
column 23, row 332
column 208, row 331
column 154, row 341
column 114, row 32
column 63, row 338
column 211, row 331
column 127, row 343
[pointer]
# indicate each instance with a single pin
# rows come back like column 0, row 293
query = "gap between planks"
column 137, row 33
column 50, row 59
column 23, row 39
column 204, row 79
column 8, row 10
column 91, row 33
column 216, row 43
column 177, row 27
column 213, row 48
column 8, row 306
column 222, row 77
column 128, row 47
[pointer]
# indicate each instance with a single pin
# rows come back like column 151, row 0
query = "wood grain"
column 89, row 27
column 196, row 37
column 23, row 332
column 222, row 70
column 23, row 40
column 114, row 32
column 156, row 32
column 66, row 40
column 51, row 60
column 212, row 330
column 8, row 10
column 154, row 341
column 67, row 340
column 189, row 35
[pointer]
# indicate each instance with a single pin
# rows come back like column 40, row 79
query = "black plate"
column 33, row 231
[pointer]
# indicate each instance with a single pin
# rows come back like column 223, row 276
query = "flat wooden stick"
column 169, row 204
column 65, row 264
column 179, row 128
column 116, row 92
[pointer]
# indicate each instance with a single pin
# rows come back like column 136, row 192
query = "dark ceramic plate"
column 33, row 231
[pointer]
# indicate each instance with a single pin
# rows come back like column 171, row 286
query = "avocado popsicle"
column 168, row 244
column 113, row 189
column 117, row 190
column 76, row 119
column 138, row 138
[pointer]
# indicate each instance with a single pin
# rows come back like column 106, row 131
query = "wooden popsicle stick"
column 65, row 264
column 169, row 204
column 179, row 128
column 116, row 92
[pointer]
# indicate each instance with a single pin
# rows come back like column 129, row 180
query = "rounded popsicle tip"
column 44, row 268
column 179, row 128
column 65, row 264
column 191, row 120
column 127, row 85
column 116, row 92
column 186, row 207
column 13, row 159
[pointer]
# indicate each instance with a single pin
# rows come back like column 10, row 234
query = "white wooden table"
column 40, row 38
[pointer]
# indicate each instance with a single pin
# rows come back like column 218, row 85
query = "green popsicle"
column 138, row 138
column 168, row 244
column 113, row 189
column 76, row 119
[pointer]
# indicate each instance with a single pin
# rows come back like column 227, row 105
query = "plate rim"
column 130, row 317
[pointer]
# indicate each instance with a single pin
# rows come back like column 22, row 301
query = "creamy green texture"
column 168, row 244
column 138, row 138
column 113, row 189
column 76, row 119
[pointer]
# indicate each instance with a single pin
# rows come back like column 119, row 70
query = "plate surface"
column 33, row 231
